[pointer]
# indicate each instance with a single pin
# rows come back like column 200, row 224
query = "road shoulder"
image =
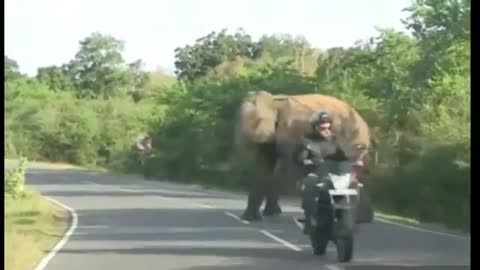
column 33, row 225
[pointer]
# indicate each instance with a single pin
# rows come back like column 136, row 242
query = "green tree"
column 439, row 20
column 10, row 69
column 99, row 70
column 286, row 49
column 57, row 78
column 194, row 61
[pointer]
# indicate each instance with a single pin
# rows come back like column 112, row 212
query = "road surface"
column 125, row 224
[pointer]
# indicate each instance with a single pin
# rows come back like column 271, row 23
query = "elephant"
column 272, row 125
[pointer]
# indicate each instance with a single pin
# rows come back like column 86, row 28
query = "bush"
column 14, row 180
column 432, row 188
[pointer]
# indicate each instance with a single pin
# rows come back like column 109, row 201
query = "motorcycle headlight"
column 341, row 181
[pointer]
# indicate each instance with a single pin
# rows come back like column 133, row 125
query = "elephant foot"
column 251, row 216
column 272, row 211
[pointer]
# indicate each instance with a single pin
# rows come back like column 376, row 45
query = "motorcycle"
column 335, row 217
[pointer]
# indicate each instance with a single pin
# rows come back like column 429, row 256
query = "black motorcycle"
column 335, row 216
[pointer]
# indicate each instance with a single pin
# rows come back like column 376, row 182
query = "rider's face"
column 324, row 129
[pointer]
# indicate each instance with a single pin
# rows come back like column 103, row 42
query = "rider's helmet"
column 319, row 117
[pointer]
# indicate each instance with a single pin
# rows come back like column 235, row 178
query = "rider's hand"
column 359, row 163
column 307, row 162
column 317, row 161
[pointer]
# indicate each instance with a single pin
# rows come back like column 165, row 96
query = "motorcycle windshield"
column 336, row 167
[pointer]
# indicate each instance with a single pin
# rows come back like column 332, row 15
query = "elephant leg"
column 261, row 182
column 255, row 199
column 272, row 207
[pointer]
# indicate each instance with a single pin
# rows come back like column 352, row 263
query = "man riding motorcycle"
column 321, row 138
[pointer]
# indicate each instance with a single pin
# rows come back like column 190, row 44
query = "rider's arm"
column 340, row 154
column 301, row 155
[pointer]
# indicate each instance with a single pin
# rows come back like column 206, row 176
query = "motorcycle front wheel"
column 322, row 229
column 344, row 236
column 345, row 248
column 319, row 237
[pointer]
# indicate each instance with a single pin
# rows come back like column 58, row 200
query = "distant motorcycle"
column 337, row 198
column 141, row 153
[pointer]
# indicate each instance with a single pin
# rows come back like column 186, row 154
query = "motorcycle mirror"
column 360, row 146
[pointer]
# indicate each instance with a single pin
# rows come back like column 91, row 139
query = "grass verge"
column 33, row 225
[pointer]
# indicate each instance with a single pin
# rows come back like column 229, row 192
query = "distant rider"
column 144, row 143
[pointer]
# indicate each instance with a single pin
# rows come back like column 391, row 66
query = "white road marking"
column 235, row 217
column 333, row 267
column 420, row 229
column 43, row 263
column 204, row 205
column 281, row 241
column 93, row 227
column 131, row 190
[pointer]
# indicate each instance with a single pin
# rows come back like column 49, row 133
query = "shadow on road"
column 157, row 217
column 226, row 258
column 133, row 193
column 261, row 258
column 67, row 177
column 59, row 176
column 204, row 251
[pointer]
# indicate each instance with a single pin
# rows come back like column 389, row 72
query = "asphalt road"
column 125, row 224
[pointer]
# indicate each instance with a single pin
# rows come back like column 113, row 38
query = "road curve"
column 125, row 224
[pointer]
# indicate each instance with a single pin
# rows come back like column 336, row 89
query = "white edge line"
column 420, row 229
column 131, row 190
column 281, row 241
column 204, row 205
column 333, row 267
column 235, row 217
column 43, row 263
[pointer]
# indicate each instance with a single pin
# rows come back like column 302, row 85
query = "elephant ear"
column 258, row 116
column 265, row 107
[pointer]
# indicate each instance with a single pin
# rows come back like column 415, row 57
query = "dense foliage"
column 413, row 89
column 14, row 181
